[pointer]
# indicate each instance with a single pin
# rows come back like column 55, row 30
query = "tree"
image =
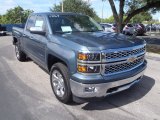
column 139, row 18
column 15, row 15
column 77, row 6
column 134, row 7
column 2, row 19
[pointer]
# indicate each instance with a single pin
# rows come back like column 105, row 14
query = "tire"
column 60, row 84
column 21, row 56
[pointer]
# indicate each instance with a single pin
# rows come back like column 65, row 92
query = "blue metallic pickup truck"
column 83, row 61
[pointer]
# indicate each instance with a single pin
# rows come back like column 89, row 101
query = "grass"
column 153, row 48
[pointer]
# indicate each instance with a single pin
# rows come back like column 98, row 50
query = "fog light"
column 90, row 89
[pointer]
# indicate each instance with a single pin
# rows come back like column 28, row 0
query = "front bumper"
column 102, row 89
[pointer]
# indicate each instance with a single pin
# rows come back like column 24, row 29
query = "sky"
column 45, row 5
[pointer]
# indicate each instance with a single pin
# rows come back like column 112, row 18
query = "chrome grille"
column 124, row 66
column 124, row 53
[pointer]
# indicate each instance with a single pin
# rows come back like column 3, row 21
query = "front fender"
column 65, row 54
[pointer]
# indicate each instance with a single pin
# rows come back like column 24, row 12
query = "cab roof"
column 56, row 13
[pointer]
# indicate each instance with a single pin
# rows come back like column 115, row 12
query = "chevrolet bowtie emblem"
column 132, row 59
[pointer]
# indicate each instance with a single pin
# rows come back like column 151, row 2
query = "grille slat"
column 114, row 68
column 126, row 53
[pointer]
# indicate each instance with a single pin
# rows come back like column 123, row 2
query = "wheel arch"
column 52, row 59
column 15, row 40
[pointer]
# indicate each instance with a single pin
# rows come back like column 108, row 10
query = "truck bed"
column 18, row 32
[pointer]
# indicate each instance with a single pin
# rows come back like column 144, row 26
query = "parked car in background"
column 114, row 27
column 128, row 29
column 150, row 27
column 158, row 27
column 2, row 30
column 108, row 27
column 140, row 29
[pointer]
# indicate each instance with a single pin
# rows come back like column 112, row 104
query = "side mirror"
column 37, row 30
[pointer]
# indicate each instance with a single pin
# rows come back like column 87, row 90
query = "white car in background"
column 108, row 27
column 129, row 29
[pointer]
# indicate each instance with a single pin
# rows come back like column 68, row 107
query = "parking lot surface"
column 25, row 94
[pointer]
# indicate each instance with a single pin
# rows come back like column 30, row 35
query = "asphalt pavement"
column 25, row 94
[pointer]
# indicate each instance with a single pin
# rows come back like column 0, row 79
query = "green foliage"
column 139, row 18
column 15, row 15
column 97, row 18
column 109, row 20
column 151, row 22
column 77, row 6
column 144, row 16
column 132, row 5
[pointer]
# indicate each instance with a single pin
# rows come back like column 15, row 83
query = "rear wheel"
column 21, row 56
column 59, row 77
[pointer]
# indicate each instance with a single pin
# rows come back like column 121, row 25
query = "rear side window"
column 30, row 22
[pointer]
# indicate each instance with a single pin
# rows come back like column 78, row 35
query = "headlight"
column 89, row 56
column 88, row 68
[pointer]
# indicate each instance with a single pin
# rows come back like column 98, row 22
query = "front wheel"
column 21, row 56
column 59, row 78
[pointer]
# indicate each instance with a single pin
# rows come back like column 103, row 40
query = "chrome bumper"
column 103, row 89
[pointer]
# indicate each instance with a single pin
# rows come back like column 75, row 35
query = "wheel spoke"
column 58, row 83
column 17, row 51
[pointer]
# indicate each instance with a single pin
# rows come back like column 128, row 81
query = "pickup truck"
column 83, row 61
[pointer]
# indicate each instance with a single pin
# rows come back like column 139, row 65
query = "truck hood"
column 102, row 40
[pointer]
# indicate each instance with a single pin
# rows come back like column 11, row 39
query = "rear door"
column 26, row 42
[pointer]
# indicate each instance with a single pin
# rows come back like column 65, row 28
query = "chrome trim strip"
column 124, row 87
column 123, row 58
column 120, row 62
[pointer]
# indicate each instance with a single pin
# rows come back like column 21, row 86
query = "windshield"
column 73, row 23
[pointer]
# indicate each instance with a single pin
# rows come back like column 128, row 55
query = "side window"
column 30, row 23
column 40, row 22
